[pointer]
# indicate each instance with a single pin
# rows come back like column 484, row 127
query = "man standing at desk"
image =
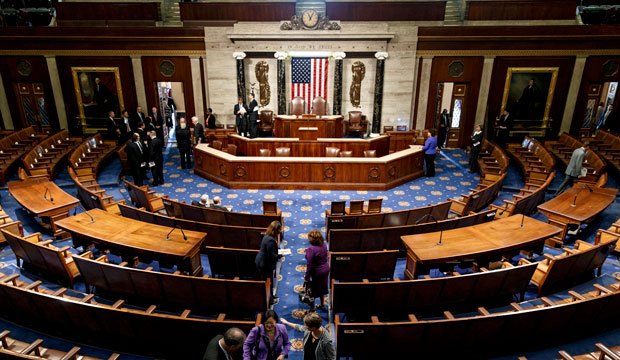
column 240, row 119
column 574, row 169
column 253, row 117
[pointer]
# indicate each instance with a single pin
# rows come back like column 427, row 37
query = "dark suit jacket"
column 111, row 133
column 504, row 122
column 239, row 118
column 198, row 203
column 159, row 121
column 215, row 352
column 199, row 133
column 134, row 157
column 155, row 150
column 218, row 207
column 253, row 114
column 210, row 121
column 184, row 139
column 143, row 136
column 135, row 119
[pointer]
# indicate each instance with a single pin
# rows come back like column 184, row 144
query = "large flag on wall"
column 309, row 79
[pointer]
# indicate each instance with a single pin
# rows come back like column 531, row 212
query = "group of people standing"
column 246, row 117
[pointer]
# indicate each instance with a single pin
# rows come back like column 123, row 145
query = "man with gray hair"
column 226, row 347
column 199, row 131
column 217, row 204
column 204, row 201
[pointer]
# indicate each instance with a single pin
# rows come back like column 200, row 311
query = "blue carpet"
column 303, row 210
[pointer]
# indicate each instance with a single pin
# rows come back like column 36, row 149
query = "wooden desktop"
column 44, row 199
column 483, row 241
column 136, row 238
column 329, row 126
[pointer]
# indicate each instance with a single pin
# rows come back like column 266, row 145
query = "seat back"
column 388, row 128
column 266, row 120
column 337, row 207
column 331, row 151
column 356, row 207
column 283, row 151
column 370, row 153
column 264, row 152
column 270, row 207
column 232, row 149
column 298, row 106
column 374, row 205
column 347, row 153
column 401, row 128
column 319, row 106
column 217, row 144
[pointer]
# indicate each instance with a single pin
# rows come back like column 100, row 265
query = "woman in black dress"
column 476, row 144
column 267, row 258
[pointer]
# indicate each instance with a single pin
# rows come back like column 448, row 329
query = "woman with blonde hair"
column 317, row 269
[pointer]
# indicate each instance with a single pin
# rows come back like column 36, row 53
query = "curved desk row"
column 251, row 172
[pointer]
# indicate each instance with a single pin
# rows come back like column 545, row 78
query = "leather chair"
column 217, row 145
column 270, row 207
column 298, row 106
column 346, row 153
column 370, row 153
column 388, row 128
column 374, row 205
column 355, row 123
column 338, row 208
column 319, row 106
column 219, row 126
column 331, row 151
column 232, row 149
column 266, row 122
column 264, row 152
column 283, row 151
column 230, row 126
column 356, row 207
column 401, row 128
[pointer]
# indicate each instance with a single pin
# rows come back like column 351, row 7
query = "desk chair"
column 232, row 149
column 374, row 206
column 370, row 153
column 356, row 207
column 331, row 151
column 217, row 144
column 283, row 151
column 270, row 207
column 264, row 152
column 346, row 154
column 338, row 208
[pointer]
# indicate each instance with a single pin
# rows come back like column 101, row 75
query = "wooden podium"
column 308, row 133
column 288, row 126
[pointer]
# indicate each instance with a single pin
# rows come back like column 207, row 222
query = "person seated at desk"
column 204, row 201
column 217, row 204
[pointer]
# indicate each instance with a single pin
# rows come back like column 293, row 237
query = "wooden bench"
column 615, row 228
column 603, row 352
column 563, row 150
column 44, row 158
column 43, row 255
column 479, row 198
column 11, row 348
column 91, row 194
column 90, row 155
column 229, row 236
column 14, row 146
column 182, row 210
column 492, row 159
column 560, row 270
column 146, row 332
column 606, row 145
column 526, row 201
column 533, row 159
column 355, row 266
column 201, row 294
column 525, row 327
column 387, row 219
column 428, row 294
column 376, row 239
column 8, row 224
column 232, row 263
column 143, row 196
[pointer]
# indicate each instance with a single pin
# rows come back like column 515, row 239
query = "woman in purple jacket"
column 317, row 270
column 268, row 341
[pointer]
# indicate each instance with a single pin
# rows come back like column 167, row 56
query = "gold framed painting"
column 528, row 92
column 97, row 90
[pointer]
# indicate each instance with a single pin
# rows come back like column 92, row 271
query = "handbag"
column 306, row 295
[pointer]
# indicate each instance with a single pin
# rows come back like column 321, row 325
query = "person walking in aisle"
column 268, row 341
column 317, row 343
column 430, row 151
column 476, row 144
column 267, row 258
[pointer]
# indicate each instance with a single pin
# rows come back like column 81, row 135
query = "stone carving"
column 374, row 173
column 167, row 68
column 325, row 24
column 329, row 172
column 262, row 74
column 359, row 70
column 296, row 24
column 285, row 172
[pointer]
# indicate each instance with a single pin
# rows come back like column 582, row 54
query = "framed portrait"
column 97, row 90
column 528, row 92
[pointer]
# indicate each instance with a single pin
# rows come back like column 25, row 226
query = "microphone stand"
column 174, row 227
column 436, row 222
column 47, row 190
column 574, row 204
column 517, row 208
column 92, row 219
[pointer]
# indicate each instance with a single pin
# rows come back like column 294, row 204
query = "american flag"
column 309, row 79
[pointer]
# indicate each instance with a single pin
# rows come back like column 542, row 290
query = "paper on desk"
column 284, row 252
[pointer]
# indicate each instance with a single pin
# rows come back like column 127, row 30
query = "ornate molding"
column 381, row 55
column 285, row 172
column 239, row 55
column 495, row 53
column 129, row 53
column 280, row 55
column 374, row 173
column 329, row 172
column 339, row 55
column 296, row 24
column 240, row 172
column 222, row 169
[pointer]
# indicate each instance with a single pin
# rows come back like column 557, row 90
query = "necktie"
column 127, row 124
column 139, row 147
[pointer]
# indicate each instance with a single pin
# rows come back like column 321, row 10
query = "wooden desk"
column 473, row 242
column 308, row 133
column 588, row 205
column 136, row 238
column 30, row 195
column 328, row 126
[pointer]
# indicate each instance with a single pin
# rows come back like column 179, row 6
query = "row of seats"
column 49, row 153
column 10, row 225
column 145, row 331
column 563, row 149
column 603, row 352
column 534, row 160
column 356, row 207
column 524, row 327
column 144, row 197
column 16, row 145
column 526, row 201
column 356, row 266
column 492, row 159
column 329, row 152
column 607, row 145
column 231, row 263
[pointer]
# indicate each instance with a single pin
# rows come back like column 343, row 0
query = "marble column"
column 425, row 80
column 205, row 87
column 378, row 103
column 483, row 94
column 281, row 56
column 240, row 55
column 4, row 108
column 339, row 56
column 573, row 92
column 194, row 62
column 59, row 100
column 138, row 78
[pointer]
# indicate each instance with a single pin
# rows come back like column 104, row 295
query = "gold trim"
column 554, row 78
column 541, row 52
column 78, row 93
column 104, row 52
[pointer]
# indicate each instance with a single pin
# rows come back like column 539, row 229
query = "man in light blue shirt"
column 430, row 151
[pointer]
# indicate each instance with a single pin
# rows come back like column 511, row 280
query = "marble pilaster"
column 573, row 92
column 338, row 82
column 194, row 62
column 378, row 102
column 59, row 100
column 138, row 78
column 483, row 94
column 425, row 79
column 241, row 92
column 281, row 56
column 7, row 119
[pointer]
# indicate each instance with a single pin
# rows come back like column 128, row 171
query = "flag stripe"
column 309, row 79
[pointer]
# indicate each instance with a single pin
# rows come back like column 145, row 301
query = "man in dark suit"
column 240, row 112
column 253, row 117
column 158, row 123
column 156, row 159
column 184, row 143
column 102, row 96
column 204, row 201
column 504, row 124
column 442, row 128
column 113, row 133
column 210, row 119
column 134, row 158
column 226, row 347
column 199, row 131
column 124, row 125
column 607, row 120
column 217, row 204
column 136, row 118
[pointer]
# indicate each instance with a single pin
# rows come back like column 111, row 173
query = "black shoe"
column 274, row 300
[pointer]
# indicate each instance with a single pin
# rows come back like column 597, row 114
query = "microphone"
column 436, row 222
column 47, row 190
column 174, row 227
column 92, row 219
column 584, row 186
column 517, row 210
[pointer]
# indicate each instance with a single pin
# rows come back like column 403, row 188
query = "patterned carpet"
column 302, row 211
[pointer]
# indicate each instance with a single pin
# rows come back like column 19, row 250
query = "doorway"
column 600, row 96
column 451, row 97
column 32, row 103
column 171, row 103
